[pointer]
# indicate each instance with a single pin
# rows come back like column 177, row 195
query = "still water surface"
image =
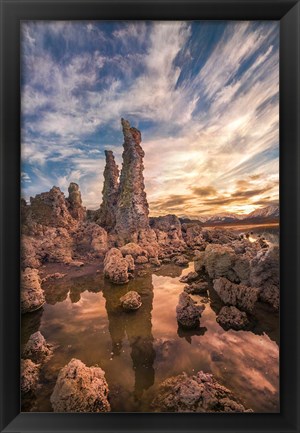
column 83, row 319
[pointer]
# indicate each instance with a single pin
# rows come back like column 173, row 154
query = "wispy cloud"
column 204, row 94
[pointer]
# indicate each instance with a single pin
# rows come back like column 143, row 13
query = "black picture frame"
column 288, row 12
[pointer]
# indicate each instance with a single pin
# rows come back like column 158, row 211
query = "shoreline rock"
column 80, row 389
column 32, row 295
column 37, row 349
column 198, row 393
column 232, row 318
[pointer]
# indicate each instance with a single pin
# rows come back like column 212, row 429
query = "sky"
column 204, row 94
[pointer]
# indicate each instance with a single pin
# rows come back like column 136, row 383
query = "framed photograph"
column 150, row 216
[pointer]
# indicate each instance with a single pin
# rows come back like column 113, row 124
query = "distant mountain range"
column 264, row 215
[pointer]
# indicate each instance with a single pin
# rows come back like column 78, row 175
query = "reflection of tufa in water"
column 138, row 329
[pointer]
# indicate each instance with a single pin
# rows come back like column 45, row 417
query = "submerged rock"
column 80, row 389
column 37, row 348
column 244, row 297
column 188, row 313
column 116, row 267
column 131, row 301
column 32, row 295
column 199, row 393
column 232, row 318
column 29, row 376
column 196, row 288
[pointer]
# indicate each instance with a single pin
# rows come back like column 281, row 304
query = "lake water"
column 83, row 319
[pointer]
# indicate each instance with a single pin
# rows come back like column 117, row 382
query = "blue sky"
column 204, row 95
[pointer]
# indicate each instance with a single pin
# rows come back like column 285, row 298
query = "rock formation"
column 80, row 389
column 29, row 376
column 131, row 301
column 239, row 295
column 187, row 312
column 106, row 216
column 51, row 209
column 232, row 318
column 75, row 203
column 199, row 393
column 37, row 349
column 32, row 295
column 116, row 267
column 132, row 206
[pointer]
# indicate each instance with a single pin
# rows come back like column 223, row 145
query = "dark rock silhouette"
column 106, row 216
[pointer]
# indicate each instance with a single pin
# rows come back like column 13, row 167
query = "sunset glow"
column 204, row 95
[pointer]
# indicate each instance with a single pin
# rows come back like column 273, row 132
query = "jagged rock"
column 106, row 216
column 265, row 267
column 130, row 262
column 80, row 389
column 37, row 348
column 29, row 376
column 181, row 261
column 32, row 295
column 131, row 301
column 116, row 267
column 189, row 278
column 232, row 318
column 51, row 209
column 264, row 273
column 244, row 297
column 196, row 288
column 187, row 312
column 199, row 393
column 75, row 207
column 132, row 206
column 168, row 232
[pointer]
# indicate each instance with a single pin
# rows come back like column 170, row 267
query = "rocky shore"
column 121, row 240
